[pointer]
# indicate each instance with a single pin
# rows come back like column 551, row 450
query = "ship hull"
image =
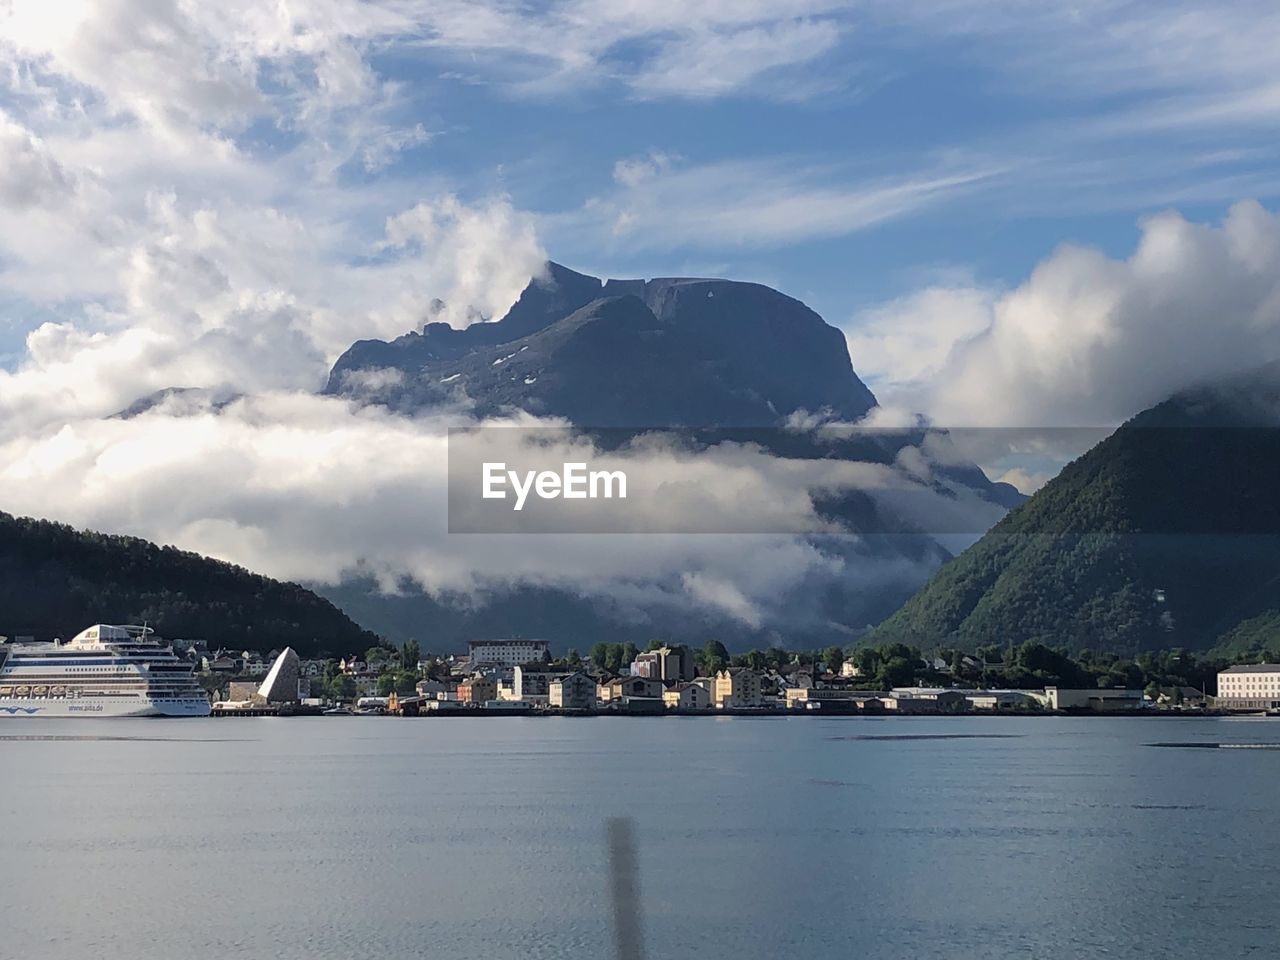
column 105, row 707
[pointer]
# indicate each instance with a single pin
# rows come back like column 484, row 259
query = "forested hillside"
column 1166, row 534
column 56, row 580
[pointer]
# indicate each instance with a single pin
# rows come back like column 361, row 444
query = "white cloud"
column 1026, row 481
column 1087, row 340
column 656, row 48
column 242, row 299
column 1174, row 52
column 760, row 203
column 307, row 487
column 383, row 148
column 636, row 170
column 911, row 339
column 30, row 176
column 713, row 63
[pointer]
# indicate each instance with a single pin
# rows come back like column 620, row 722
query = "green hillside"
column 55, row 581
column 1166, row 534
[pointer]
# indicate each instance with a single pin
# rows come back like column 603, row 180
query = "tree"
column 834, row 658
column 410, row 654
column 600, row 655
column 896, row 672
column 342, row 688
column 403, row 682
column 714, row 656
column 571, row 657
column 613, row 657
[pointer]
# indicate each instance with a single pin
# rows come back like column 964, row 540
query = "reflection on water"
column 331, row 838
column 80, row 737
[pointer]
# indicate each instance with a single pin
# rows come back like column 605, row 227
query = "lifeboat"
column 41, row 691
column 6, row 691
column 22, row 691
column 57, row 691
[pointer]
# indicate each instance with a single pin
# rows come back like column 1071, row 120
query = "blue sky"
column 1071, row 128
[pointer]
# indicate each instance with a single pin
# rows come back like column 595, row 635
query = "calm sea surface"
column 325, row 838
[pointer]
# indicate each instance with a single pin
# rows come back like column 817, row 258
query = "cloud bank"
column 1085, row 340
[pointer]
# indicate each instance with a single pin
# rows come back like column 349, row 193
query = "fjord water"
column 324, row 838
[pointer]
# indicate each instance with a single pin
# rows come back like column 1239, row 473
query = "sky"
column 1020, row 213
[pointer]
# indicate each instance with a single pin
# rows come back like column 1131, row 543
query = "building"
column 814, row 698
column 1249, row 686
column 687, row 696
column 1103, row 700
column 243, row 691
column 282, row 681
column 283, row 684
column 532, row 683
column 737, row 688
column 433, row 689
column 708, row 684
column 929, row 700
column 507, row 653
column 668, row 664
column 623, row 687
column 1001, row 700
column 839, row 700
column 478, row 690
column 574, row 691
column 221, row 665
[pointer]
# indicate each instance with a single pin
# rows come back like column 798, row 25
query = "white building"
column 1102, row 699
column 1250, row 686
column 283, row 679
column 507, row 653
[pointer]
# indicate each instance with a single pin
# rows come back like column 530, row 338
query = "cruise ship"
column 104, row 671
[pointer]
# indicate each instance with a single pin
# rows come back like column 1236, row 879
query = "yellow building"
column 477, row 690
column 736, row 688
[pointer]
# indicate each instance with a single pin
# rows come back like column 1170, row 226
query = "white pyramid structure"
column 281, row 684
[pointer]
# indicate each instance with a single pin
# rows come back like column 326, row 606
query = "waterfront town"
column 520, row 676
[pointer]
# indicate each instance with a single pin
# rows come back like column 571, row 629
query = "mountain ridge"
column 1166, row 533
column 55, row 580
column 750, row 355
column 697, row 354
